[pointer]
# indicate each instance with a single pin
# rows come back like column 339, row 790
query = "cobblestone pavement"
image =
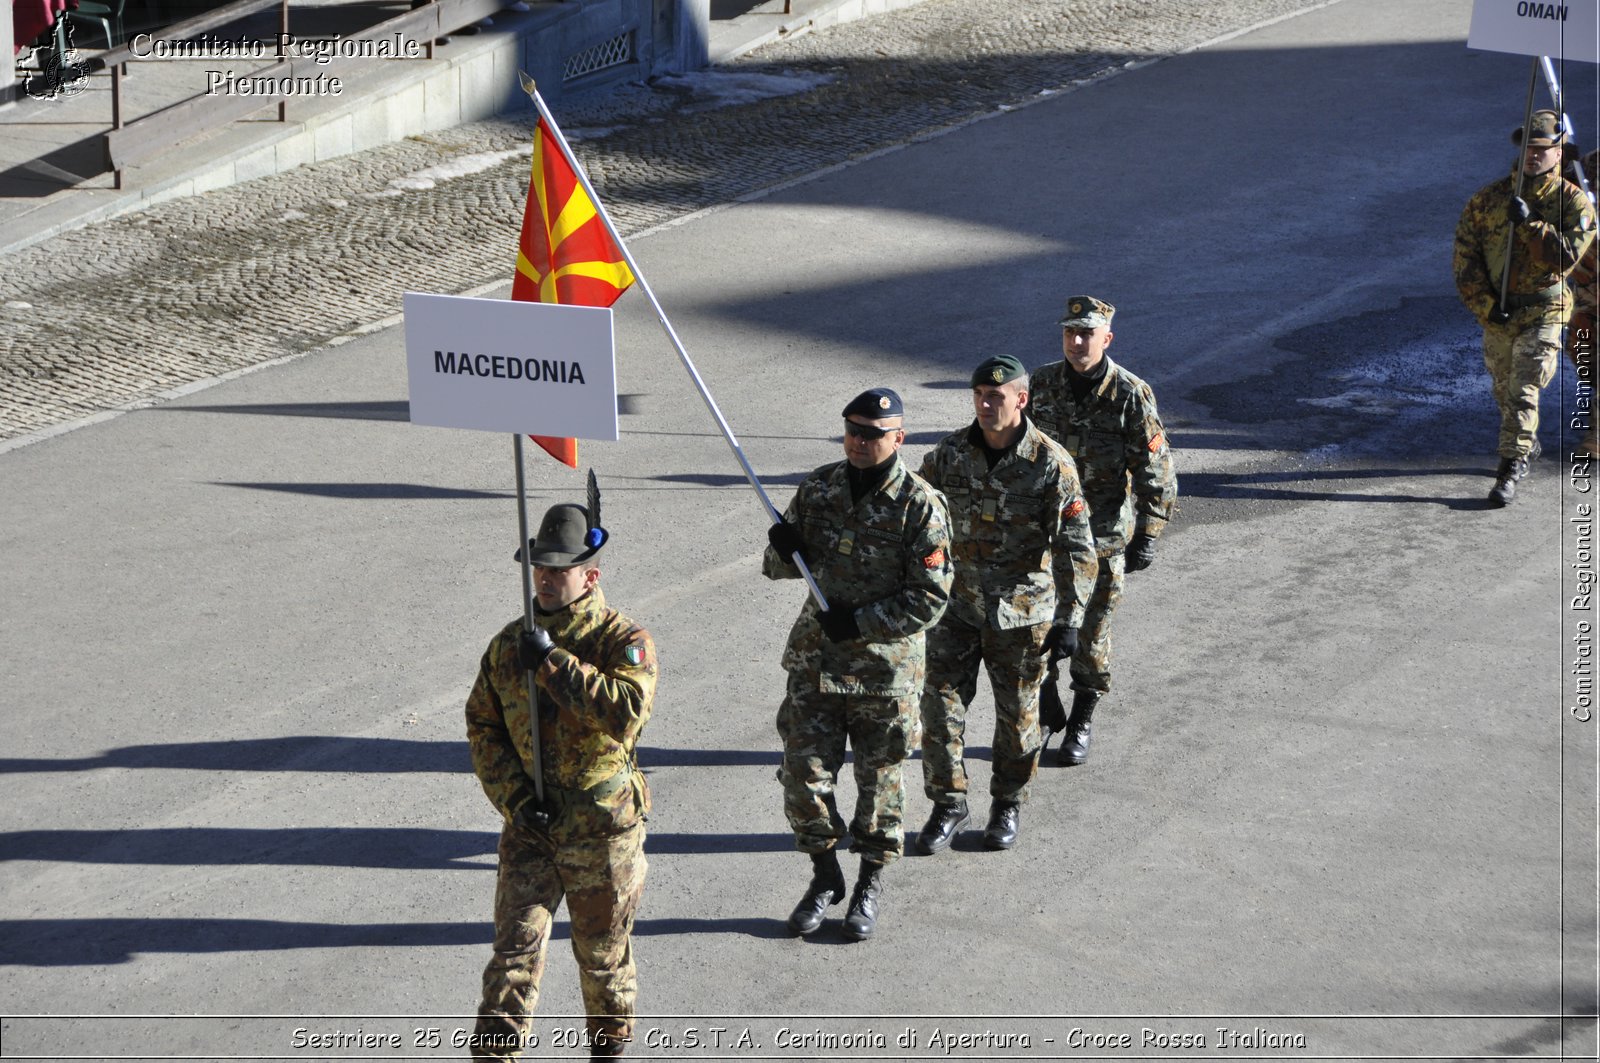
column 123, row 311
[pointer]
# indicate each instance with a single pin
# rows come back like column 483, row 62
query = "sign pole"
column 527, row 616
column 683, row 355
column 1522, row 148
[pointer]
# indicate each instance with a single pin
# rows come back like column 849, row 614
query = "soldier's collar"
column 588, row 605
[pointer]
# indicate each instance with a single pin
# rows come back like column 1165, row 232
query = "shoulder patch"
column 935, row 559
column 634, row 653
column 1073, row 508
column 1156, row 441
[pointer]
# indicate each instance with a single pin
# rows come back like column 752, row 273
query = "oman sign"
column 528, row 368
column 1563, row 31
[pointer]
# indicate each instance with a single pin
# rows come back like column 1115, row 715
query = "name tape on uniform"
column 500, row 366
column 1563, row 31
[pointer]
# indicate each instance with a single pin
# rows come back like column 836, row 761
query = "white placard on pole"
column 500, row 366
column 1563, row 31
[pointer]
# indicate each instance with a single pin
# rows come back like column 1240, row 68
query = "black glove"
column 533, row 647
column 1060, row 643
column 530, row 815
column 839, row 622
column 1052, row 714
column 785, row 538
column 1499, row 316
column 1518, row 210
column 1141, row 551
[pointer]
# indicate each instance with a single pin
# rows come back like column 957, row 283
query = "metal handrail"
column 130, row 142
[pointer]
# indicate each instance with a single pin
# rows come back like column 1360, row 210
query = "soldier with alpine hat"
column 876, row 540
column 1544, row 223
column 594, row 673
column 1025, row 567
column 1107, row 420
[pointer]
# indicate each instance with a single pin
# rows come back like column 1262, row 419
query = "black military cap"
column 565, row 538
column 875, row 403
column 1000, row 369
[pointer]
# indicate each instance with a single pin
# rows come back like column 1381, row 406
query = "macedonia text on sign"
column 499, row 366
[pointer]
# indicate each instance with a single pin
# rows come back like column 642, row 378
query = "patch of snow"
column 712, row 89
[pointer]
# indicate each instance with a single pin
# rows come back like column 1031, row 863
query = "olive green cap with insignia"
column 1087, row 312
column 1000, row 369
column 1546, row 130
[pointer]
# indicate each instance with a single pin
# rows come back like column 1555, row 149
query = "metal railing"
column 131, row 142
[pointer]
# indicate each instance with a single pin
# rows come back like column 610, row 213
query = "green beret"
column 1000, row 369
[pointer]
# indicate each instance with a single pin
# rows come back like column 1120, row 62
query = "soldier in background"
column 1107, row 420
column 876, row 539
column 1548, row 227
column 595, row 672
column 1025, row 567
column 1585, row 283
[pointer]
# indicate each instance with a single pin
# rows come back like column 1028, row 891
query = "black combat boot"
column 1004, row 819
column 604, row 1045
column 1504, row 491
column 943, row 823
column 1075, row 743
column 827, row 887
column 862, row 918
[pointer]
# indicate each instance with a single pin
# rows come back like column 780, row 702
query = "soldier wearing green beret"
column 1025, row 567
column 1107, row 419
column 595, row 675
column 877, row 541
column 1547, row 227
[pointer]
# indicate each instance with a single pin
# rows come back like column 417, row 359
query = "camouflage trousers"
column 815, row 727
column 955, row 650
column 601, row 878
column 1581, row 349
column 1091, row 665
column 1520, row 363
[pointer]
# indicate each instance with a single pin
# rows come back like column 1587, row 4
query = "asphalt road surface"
column 1341, row 802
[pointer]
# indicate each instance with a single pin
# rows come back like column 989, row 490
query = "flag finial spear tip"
column 528, row 85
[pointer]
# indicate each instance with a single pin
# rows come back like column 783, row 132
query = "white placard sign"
column 501, row 366
column 1562, row 30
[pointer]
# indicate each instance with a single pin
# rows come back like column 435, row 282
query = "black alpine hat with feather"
column 569, row 534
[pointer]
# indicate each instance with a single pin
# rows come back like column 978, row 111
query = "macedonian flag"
column 565, row 254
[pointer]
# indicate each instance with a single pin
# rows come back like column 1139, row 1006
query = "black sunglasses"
column 866, row 431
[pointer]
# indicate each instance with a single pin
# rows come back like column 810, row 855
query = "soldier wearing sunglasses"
column 877, row 541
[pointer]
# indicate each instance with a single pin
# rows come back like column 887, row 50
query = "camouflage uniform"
column 590, row 718
column 887, row 555
column 1024, row 559
column 1116, row 437
column 1521, row 354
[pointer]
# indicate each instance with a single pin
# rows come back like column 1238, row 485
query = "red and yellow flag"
column 565, row 254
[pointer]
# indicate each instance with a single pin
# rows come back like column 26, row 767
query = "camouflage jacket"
column 888, row 556
column 591, row 714
column 1116, row 437
column 1547, row 247
column 1584, row 280
column 1020, row 531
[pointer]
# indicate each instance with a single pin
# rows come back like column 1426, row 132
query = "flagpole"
column 527, row 616
column 531, row 89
